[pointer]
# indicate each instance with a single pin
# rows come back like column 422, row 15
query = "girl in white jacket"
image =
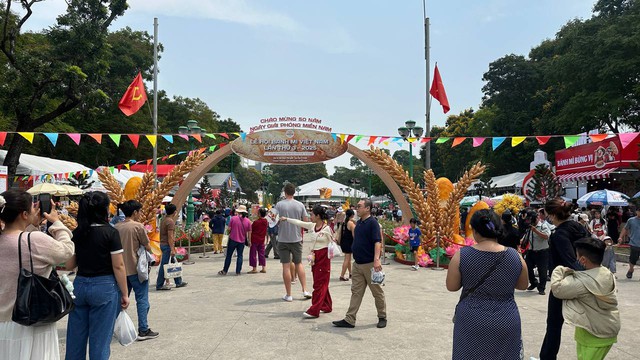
column 319, row 234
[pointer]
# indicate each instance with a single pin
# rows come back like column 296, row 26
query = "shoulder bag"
column 484, row 277
column 39, row 300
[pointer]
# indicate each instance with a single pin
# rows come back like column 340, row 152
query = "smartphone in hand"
column 45, row 203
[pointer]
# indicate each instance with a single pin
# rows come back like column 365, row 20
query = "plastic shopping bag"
column 333, row 250
column 124, row 330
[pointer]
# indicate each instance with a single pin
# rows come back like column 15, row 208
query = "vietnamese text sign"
column 289, row 146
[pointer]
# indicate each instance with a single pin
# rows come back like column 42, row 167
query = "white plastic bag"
column 142, row 267
column 124, row 330
column 333, row 250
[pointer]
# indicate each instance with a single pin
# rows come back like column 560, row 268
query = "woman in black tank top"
column 346, row 241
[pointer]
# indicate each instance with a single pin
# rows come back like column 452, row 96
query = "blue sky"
column 357, row 65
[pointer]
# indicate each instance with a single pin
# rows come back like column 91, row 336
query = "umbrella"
column 471, row 200
column 637, row 195
column 604, row 197
column 48, row 188
column 70, row 190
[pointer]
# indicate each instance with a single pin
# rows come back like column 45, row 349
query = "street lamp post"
column 369, row 172
column 410, row 132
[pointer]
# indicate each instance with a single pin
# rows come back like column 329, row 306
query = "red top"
column 259, row 231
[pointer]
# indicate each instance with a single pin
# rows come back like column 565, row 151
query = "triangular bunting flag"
column 153, row 139
column 75, row 138
column 197, row 137
column 165, row 157
column 201, row 150
column 570, row 140
column 186, row 137
column 127, row 166
column 627, row 138
column 383, row 139
column 425, row 140
column 516, row 140
column 96, row 137
column 477, row 141
column 243, row 136
column 442, row 140
column 53, row 137
column 372, row 139
column 212, row 148
column 115, row 138
column 411, row 139
column 27, row 135
column 236, row 134
column 334, row 136
column 169, row 138
column 349, row 137
column 224, row 135
column 135, row 139
column 149, row 162
column 386, row 142
column 497, row 141
column 222, row 145
column 3, row 138
column 457, row 141
column 543, row 139
column 211, row 136
column 119, row 167
column 342, row 137
column 598, row 137
column 358, row 138
column 172, row 155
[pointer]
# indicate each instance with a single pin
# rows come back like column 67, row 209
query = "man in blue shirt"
column 367, row 247
column 217, row 224
column 633, row 230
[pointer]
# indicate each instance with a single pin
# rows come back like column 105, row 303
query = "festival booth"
column 509, row 183
column 599, row 165
column 33, row 170
column 326, row 191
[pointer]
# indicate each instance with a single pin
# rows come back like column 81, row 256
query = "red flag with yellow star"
column 134, row 97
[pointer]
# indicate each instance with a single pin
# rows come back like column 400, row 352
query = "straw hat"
column 241, row 209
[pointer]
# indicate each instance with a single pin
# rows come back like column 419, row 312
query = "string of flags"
column 115, row 138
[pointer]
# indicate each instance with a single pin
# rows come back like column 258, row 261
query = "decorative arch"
column 196, row 174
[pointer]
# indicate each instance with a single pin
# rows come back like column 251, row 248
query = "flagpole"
column 155, row 98
column 427, row 115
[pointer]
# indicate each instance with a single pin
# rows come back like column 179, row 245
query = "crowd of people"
column 568, row 254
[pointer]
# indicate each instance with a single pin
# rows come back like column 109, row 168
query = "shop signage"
column 289, row 146
column 600, row 155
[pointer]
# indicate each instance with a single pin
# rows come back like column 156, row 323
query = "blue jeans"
column 142, row 300
column 166, row 254
column 97, row 306
column 239, row 248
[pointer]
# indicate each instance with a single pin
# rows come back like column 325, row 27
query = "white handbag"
column 172, row 269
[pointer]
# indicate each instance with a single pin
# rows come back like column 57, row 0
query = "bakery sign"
column 289, row 146
column 589, row 157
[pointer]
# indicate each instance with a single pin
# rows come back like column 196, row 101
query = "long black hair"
column 93, row 208
column 15, row 203
column 319, row 210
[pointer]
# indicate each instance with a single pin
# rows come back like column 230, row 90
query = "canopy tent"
column 513, row 180
column 40, row 165
column 312, row 189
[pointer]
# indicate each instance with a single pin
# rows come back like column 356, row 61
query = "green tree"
column 250, row 180
column 298, row 175
column 49, row 73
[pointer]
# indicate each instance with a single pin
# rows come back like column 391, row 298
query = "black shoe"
column 629, row 274
column 276, row 257
column 343, row 324
column 147, row 335
column 182, row 284
column 382, row 323
column 266, row 256
column 532, row 286
column 541, row 292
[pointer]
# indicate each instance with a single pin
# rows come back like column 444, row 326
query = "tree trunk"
column 13, row 156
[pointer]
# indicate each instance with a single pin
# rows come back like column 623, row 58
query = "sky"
column 357, row 65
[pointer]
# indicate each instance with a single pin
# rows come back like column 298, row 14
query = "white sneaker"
column 307, row 295
column 287, row 298
column 414, row 267
column 308, row 316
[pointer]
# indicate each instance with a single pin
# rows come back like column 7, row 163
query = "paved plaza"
column 243, row 317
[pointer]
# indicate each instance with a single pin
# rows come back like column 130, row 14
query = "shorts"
column 289, row 252
column 414, row 248
column 634, row 255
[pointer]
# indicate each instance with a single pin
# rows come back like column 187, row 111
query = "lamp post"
column 369, row 172
column 192, row 128
column 266, row 172
column 410, row 132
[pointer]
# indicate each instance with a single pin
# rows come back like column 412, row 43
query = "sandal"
column 263, row 271
column 343, row 279
column 252, row 272
column 221, row 272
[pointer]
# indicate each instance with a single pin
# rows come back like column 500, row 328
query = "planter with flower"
column 437, row 206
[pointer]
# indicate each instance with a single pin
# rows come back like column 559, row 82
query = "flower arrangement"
column 509, row 201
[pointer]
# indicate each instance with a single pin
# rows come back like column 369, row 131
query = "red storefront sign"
column 605, row 154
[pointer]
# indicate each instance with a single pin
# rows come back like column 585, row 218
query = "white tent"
column 505, row 181
column 40, row 165
column 338, row 190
